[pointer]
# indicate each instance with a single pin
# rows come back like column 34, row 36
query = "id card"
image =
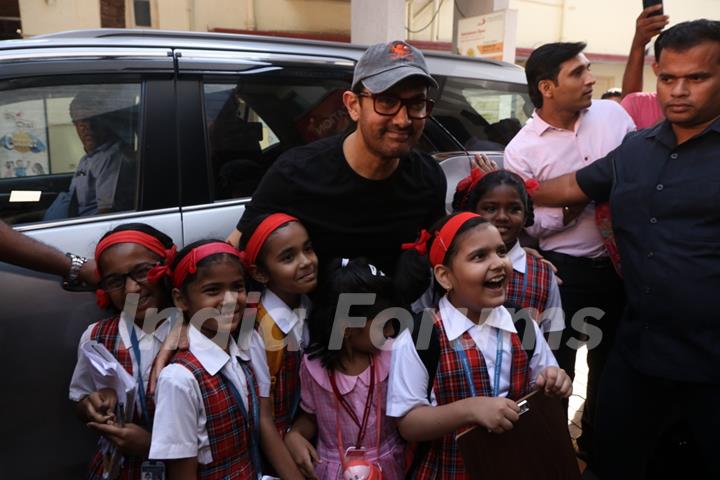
column 152, row 470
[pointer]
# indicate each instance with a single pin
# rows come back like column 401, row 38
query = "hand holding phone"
column 649, row 24
column 652, row 3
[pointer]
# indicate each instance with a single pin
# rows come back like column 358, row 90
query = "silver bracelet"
column 76, row 263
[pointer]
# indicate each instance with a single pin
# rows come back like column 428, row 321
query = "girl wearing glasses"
column 128, row 259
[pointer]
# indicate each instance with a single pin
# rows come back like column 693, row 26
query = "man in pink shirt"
column 643, row 108
column 567, row 132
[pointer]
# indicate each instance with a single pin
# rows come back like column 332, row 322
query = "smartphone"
column 650, row 3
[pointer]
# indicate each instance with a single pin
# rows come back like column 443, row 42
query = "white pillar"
column 375, row 21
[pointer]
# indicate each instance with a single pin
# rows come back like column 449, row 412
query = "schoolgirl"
column 126, row 258
column 280, row 257
column 480, row 367
column 501, row 198
column 207, row 421
column 344, row 380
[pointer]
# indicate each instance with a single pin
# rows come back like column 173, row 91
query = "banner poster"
column 23, row 140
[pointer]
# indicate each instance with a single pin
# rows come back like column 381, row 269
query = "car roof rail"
column 179, row 34
column 99, row 33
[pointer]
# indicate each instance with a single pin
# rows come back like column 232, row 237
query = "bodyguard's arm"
column 560, row 192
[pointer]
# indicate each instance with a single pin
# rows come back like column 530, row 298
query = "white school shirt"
column 82, row 385
column 553, row 318
column 409, row 378
column 179, row 429
column 291, row 322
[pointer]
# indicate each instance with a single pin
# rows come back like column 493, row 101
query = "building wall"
column 327, row 16
column 40, row 16
column 266, row 15
column 47, row 16
column 421, row 25
column 607, row 26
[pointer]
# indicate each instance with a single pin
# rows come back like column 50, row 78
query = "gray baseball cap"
column 385, row 64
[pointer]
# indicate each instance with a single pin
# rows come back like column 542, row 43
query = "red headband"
column 134, row 236
column 188, row 265
column 140, row 238
column 446, row 235
column 261, row 234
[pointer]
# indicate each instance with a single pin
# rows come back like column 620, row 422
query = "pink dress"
column 317, row 398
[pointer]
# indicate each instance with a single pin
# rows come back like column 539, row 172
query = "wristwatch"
column 76, row 263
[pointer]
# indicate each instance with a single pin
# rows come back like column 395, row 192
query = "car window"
column 251, row 120
column 68, row 151
column 482, row 115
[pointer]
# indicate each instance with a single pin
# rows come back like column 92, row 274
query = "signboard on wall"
column 490, row 36
column 23, row 140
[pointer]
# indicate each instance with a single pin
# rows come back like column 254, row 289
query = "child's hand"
column 554, row 382
column 495, row 413
column 130, row 439
column 303, row 453
column 481, row 161
column 99, row 406
column 538, row 255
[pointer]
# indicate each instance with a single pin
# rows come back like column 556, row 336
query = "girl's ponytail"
column 413, row 275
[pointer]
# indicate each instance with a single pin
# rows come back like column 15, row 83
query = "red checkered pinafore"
column 531, row 289
column 230, row 434
column 106, row 332
column 443, row 459
column 284, row 367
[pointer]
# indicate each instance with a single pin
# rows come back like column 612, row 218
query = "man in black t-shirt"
column 365, row 193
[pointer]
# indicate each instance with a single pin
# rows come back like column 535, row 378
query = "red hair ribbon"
column 140, row 238
column 446, row 235
column 102, row 298
column 420, row 244
column 468, row 183
column 188, row 265
column 531, row 185
column 261, row 234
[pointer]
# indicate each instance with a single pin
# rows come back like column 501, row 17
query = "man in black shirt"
column 663, row 184
column 366, row 193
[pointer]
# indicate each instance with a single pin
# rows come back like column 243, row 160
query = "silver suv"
column 185, row 126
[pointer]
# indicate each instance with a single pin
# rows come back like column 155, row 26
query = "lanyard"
column 255, row 435
column 296, row 394
column 466, row 366
column 348, row 408
column 141, row 385
column 378, row 414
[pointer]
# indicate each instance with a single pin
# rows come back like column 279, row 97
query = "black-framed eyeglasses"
column 418, row 108
column 117, row 281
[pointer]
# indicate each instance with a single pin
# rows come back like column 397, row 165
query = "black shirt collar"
column 664, row 134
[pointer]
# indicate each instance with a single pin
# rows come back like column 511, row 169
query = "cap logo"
column 400, row 50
